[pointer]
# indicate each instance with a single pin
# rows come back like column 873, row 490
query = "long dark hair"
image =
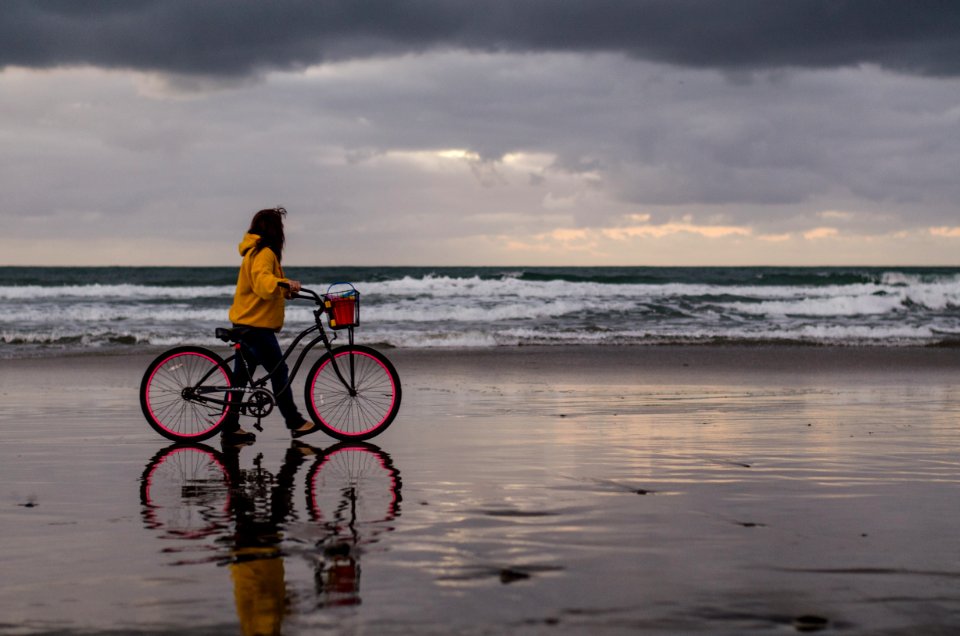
column 268, row 225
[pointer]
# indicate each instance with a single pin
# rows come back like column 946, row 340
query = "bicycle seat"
column 230, row 335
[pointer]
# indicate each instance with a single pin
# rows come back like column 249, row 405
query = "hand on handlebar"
column 293, row 289
column 290, row 287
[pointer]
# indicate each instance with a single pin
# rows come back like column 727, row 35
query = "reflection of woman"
column 259, row 591
column 258, row 308
column 256, row 567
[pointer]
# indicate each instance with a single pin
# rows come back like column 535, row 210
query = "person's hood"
column 249, row 241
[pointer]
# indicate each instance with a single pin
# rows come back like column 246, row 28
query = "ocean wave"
column 907, row 279
column 67, row 338
column 120, row 291
column 929, row 288
column 822, row 307
column 487, row 308
column 96, row 314
column 938, row 293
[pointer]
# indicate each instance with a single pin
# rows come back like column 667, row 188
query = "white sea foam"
column 829, row 306
column 438, row 339
column 95, row 314
column 938, row 293
column 132, row 292
column 439, row 287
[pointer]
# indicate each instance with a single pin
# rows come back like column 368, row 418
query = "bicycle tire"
column 185, row 492
column 357, row 470
column 168, row 411
column 353, row 415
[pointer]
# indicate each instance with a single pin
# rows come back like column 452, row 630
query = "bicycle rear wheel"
column 365, row 405
column 185, row 394
column 185, row 493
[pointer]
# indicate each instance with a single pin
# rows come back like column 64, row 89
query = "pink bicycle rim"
column 393, row 392
column 150, row 383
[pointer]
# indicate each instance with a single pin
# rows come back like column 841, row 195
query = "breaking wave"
column 63, row 308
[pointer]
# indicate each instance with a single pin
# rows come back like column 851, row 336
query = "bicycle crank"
column 259, row 404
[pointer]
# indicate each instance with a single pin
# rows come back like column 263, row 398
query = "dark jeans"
column 261, row 347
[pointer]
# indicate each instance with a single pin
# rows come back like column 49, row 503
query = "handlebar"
column 304, row 293
column 309, row 294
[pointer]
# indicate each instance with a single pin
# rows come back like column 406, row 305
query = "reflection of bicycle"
column 352, row 490
column 185, row 496
column 187, row 491
column 352, row 392
column 238, row 517
column 353, row 484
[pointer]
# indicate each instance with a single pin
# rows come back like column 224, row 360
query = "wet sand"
column 718, row 490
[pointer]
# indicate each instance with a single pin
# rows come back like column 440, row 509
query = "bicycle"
column 352, row 391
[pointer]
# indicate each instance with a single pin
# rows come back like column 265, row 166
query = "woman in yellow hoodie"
column 258, row 307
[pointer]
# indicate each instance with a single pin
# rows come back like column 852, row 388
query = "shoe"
column 305, row 429
column 303, row 449
column 238, row 437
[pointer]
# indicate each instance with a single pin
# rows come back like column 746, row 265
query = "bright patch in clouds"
column 835, row 214
column 950, row 232
column 820, row 233
column 608, row 240
column 666, row 229
column 465, row 155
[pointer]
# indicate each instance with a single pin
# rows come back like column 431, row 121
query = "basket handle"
column 350, row 285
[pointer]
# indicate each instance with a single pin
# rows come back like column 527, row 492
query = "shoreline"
column 766, row 365
column 938, row 354
column 122, row 350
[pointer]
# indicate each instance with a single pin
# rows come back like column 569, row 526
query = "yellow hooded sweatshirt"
column 258, row 301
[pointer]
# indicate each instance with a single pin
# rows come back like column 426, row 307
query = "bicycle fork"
column 351, row 386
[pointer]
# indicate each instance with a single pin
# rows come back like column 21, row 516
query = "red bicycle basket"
column 343, row 308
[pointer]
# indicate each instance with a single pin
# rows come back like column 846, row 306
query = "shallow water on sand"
column 548, row 505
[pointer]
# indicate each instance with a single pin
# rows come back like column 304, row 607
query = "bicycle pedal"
column 258, row 427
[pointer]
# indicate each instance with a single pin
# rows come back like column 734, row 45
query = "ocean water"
column 50, row 310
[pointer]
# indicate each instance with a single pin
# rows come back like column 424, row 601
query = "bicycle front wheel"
column 185, row 394
column 353, row 393
column 353, row 483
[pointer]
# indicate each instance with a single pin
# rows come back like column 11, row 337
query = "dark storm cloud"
column 234, row 37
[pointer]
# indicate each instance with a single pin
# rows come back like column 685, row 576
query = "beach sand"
column 719, row 490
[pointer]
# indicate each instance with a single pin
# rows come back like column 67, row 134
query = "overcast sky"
column 513, row 132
